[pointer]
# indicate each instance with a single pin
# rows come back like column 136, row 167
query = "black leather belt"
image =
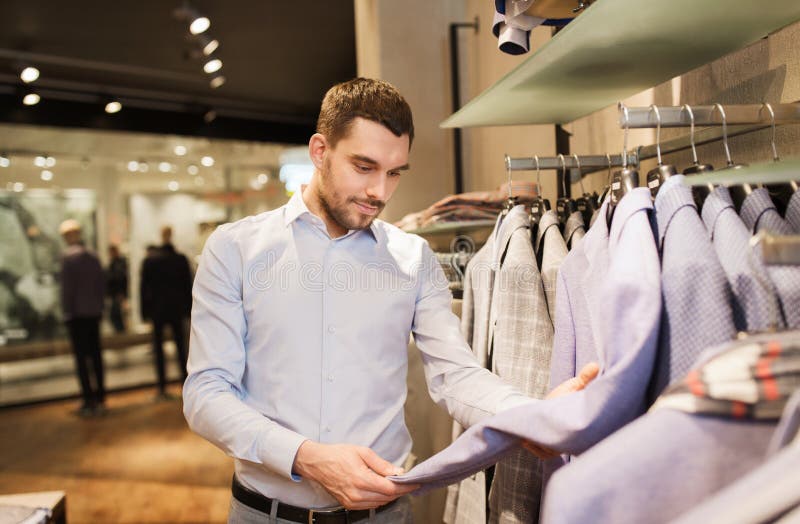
column 295, row 514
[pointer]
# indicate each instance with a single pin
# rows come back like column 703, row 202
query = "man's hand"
column 354, row 475
column 585, row 376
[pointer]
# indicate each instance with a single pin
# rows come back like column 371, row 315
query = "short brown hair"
column 366, row 98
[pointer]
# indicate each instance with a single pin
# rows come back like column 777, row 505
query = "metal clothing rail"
column 708, row 115
column 584, row 162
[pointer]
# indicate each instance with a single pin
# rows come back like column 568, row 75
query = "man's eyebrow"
column 368, row 160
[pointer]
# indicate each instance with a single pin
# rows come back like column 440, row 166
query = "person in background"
column 117, row 287
column 166, row 299
column 82, row 292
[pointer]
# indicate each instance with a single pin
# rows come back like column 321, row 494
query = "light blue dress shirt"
column 297, row 335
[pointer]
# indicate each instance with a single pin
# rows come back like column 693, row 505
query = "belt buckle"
column 312, row 512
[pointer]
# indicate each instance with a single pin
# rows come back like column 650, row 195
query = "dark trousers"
column 84, row 333
column 115, row 314
column 179, row 336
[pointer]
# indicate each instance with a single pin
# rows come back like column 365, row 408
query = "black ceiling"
column 279, row 59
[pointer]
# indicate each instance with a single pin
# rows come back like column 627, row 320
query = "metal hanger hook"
column 563, row 173
column 508, row 171
column 608, row 158
column 724, row 132
column 580, row 175
column 775, row 156
column 625, row 124
column 688, row 109
column 654, row 109
column 538, row 174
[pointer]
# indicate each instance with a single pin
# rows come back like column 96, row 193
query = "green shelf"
column 764, row 173
column 617, row 48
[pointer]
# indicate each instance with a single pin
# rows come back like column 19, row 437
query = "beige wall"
column 405, row 43
column 767, row 71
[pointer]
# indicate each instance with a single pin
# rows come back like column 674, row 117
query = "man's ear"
column 317, row 149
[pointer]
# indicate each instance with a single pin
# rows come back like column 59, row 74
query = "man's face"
column 359, row 174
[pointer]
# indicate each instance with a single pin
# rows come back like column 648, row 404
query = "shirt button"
column 330, row 377
column 331, row 328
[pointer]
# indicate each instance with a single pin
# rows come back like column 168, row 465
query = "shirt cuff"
column 282, row 447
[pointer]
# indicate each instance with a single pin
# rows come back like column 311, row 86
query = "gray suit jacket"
column 552, row 249
column 519, row 337
column 521, row 346
column 466, row 501
column 626, row 308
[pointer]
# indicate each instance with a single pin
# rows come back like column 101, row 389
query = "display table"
column 41, row 507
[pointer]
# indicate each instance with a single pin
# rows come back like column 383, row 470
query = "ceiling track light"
column 4, row 160
column 29, row 74
column 113, row 106
column 216, row 81
column 207, row 44
column 197, row 23
column 31, row 98
column 212, row 66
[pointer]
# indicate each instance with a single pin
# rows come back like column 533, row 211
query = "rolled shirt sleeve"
column 214, row 400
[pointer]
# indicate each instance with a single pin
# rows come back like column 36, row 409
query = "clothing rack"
column 708, row 115
column 592, row 162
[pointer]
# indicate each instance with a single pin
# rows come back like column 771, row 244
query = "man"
column 166, row 299
column 300, row 326
column 82, row 291
column 117, row 287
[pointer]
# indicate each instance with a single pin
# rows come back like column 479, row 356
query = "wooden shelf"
column 617, row 48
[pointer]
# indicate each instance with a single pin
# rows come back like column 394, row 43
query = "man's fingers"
column 587, row 374
column 377, row 464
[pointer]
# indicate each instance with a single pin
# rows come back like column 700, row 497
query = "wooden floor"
column 137, row 464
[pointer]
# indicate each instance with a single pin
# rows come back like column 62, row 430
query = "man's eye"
column 361, row 168
column 394, row 173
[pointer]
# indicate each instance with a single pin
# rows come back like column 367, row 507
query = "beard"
column 342, row 209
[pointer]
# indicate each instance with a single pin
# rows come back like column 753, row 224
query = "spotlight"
column 209, row 44
column 262, row 178
column 49, row 161
column 47, row 175
column 192, row 169
column 173, row 185
column 18, row 187
column 207, row 161
column 180, row 150
column 217, row 81
column 31, row 99
column 40, row 161
column 199, row 24
column 209, row 116
column 143, row 167
column 113, row 107
column 133, row 166
column 4, row 160
column 29, row 74
column 165, row 167
column 212, row 66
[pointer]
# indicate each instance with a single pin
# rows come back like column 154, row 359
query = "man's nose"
column 376, row 190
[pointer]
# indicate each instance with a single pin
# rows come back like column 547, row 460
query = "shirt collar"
column 296, row 208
